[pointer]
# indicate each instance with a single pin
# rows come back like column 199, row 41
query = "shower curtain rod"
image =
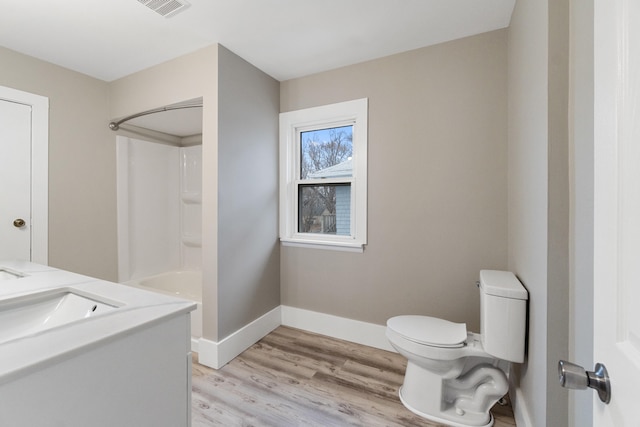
column 116, row 125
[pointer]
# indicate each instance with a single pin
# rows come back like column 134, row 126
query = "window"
column 323, row 176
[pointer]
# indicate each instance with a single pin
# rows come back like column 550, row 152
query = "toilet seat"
column 430, row 331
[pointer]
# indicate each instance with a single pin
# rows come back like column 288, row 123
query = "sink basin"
column 9, row 275
column 28, row 315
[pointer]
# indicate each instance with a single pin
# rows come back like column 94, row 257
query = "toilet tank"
column 503, row 312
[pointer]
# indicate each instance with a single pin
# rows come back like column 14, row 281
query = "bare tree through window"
column 324, row 153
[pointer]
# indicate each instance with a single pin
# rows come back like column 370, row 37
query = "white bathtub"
column 181, row 284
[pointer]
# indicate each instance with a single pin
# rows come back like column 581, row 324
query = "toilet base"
column 464, row 401
column 445, row 421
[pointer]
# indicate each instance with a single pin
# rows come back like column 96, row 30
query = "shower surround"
column 159, row 212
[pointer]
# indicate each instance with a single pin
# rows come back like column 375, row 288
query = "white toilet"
column 453, row 376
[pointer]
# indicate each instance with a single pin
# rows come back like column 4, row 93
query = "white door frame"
column 39, row 169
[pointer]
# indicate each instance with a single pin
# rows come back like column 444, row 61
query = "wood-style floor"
column 296, row 378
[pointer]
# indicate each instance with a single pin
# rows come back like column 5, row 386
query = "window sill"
column 315, row 244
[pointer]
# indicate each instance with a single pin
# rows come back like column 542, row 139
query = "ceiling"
column 109, row 39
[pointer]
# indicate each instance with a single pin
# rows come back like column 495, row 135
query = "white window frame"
column 291, row 125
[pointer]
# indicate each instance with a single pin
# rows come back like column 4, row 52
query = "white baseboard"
column 217, row 354
column 337, row 327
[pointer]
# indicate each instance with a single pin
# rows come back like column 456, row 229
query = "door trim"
column 39, row 169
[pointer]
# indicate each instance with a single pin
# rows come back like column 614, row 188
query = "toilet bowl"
column 454, row 376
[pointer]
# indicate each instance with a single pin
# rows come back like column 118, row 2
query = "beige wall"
column 539, row 199
column 187, row 77
column 239, row 206
column 82, row 215
column 558, row 200
column 437, row 184
column 248, row 248
column 528, row 185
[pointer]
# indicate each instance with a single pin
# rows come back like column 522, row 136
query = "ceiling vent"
column 166, row 8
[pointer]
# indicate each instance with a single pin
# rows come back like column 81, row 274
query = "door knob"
column 19, row 223
column 576, row 377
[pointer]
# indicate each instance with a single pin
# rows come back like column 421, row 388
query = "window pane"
column 324, row 209
column 326, row 153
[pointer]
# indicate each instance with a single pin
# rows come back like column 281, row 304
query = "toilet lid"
column 429, row 330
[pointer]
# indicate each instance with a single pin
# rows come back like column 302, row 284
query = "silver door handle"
column 576, row 377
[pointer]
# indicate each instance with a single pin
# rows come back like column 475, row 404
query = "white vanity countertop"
column 136, row 309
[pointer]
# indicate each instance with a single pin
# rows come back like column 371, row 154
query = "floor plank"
column 297, row 378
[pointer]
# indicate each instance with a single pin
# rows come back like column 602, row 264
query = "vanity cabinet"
column 138, row 378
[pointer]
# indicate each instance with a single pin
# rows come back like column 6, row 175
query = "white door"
column 617, row 207
column 15, row 181
column 13, row 103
